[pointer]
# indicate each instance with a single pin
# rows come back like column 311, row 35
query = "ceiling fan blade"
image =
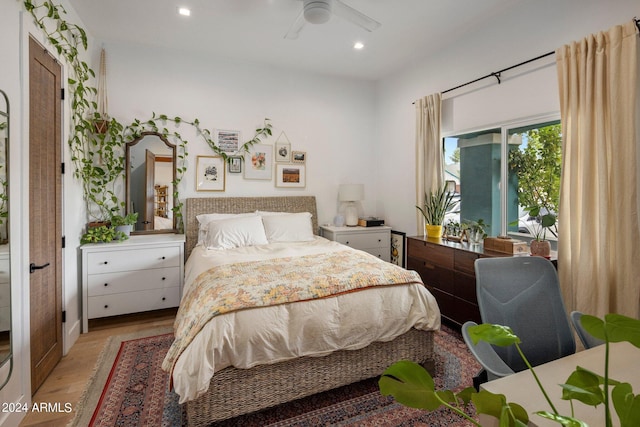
column 295, row 29
column 354, row 16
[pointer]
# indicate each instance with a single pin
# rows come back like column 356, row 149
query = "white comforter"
column 265, row 335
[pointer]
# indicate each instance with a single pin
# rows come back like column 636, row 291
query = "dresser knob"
column 106, row 284
column 106, row 306
column 347, row 242
column 164, row 299
column 106, row 262
column 163, row 258
column 164, row 278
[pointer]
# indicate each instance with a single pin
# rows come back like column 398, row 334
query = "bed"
column 246, row 386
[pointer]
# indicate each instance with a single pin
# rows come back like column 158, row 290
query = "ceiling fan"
column 320, row 11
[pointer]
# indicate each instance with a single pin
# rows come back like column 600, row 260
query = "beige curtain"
column 429, row 168
column 599, row 242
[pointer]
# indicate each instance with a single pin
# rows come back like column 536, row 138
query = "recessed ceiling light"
column 358, row 45
column 184, row 11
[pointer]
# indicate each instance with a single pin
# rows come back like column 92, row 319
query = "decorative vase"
column 476, row 236
column 433, row 231
column 541, row 248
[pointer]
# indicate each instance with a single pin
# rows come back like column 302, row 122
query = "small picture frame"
column 291, row 176
column 258, row 162
column 235, row 164
column 398, row 248
column 210, row 173
column 283, row 152
column 299, row 156
column 228, row 140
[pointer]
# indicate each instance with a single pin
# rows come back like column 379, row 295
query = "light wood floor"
column 69, row 378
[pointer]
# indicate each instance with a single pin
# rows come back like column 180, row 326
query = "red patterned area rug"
column 135, row 393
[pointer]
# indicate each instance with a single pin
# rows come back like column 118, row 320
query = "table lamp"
column 351, row 193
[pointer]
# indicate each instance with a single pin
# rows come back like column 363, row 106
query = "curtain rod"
column 497, row 74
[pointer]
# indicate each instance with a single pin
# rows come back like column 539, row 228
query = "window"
column 527, row 156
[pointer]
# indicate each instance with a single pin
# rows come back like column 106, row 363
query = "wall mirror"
column 150, row 170
column 5, row 276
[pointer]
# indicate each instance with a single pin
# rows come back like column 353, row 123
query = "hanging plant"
column 97, row 153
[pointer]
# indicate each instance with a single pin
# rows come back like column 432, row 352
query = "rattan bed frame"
column 234, row 392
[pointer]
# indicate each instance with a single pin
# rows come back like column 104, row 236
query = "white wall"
column 526, row 30
column 332, row 119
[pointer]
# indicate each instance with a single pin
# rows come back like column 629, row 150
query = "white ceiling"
column 253, row 30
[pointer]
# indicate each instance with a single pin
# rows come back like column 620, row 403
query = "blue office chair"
column 521, row 292
column 588, row 340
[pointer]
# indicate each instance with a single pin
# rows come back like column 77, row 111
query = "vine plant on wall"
column 98, row 158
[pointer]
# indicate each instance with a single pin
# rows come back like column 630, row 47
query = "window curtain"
column 429, row 151
column 599, row 241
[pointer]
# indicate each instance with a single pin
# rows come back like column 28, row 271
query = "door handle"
column 33, row 267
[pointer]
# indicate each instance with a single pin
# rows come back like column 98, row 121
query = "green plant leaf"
column 495, row 405
column 614, row 328
column 584, row 386
column 626, row 404
column 499, row 335
column 562, row 419
column 410, row 384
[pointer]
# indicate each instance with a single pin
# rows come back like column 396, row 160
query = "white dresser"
column 374, row 240
column 143, row 273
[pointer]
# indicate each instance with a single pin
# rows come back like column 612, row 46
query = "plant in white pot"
column 436, row 205
column 124, row 223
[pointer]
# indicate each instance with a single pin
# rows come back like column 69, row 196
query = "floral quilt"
column 245, row 285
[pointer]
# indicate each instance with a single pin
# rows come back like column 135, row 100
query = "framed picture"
column 293, row 176
column 210, row 173
column 283, row 152
column 235, row 164
column 398, row 248
column 298, row 156
column 258, row 162
column 228, row 140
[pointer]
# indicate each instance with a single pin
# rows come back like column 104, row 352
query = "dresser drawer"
column 435, row 254
column 133, row 259
column 129, row 281
column 464, row 261
column 130, row 302
column 432, row 274
column 364, row 240
column 382, row 253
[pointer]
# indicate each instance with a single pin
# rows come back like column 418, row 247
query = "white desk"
column 521, row 388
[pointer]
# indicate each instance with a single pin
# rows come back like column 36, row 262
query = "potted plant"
column 543, row 220
column 476, row 230
column 125, row 223
column 436, row 205
column 102, row 234
column 411, row 385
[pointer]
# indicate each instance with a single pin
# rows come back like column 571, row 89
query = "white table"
column 521, row 388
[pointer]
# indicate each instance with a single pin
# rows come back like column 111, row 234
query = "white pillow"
column 204, row 219
column 292, row 227
column 267, row 213
column 235, row 233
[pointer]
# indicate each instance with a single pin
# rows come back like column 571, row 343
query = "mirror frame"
column 9, row 358
column 127, row 165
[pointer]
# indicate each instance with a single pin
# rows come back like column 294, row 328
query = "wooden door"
column 45, row 212
column 149, row 185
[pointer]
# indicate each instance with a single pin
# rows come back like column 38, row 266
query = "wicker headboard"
column 197, row 206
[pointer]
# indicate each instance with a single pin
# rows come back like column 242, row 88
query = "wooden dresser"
column 142, row 273
column 447, row 270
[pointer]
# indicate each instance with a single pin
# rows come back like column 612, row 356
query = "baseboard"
column 72, row 333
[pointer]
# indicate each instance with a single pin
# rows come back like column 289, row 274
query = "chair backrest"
column 523, row 292
column 588, row 340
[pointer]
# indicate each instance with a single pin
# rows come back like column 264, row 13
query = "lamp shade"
column 351, row 192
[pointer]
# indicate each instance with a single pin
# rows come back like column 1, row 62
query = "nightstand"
column 142, row 273
column 374, row 240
